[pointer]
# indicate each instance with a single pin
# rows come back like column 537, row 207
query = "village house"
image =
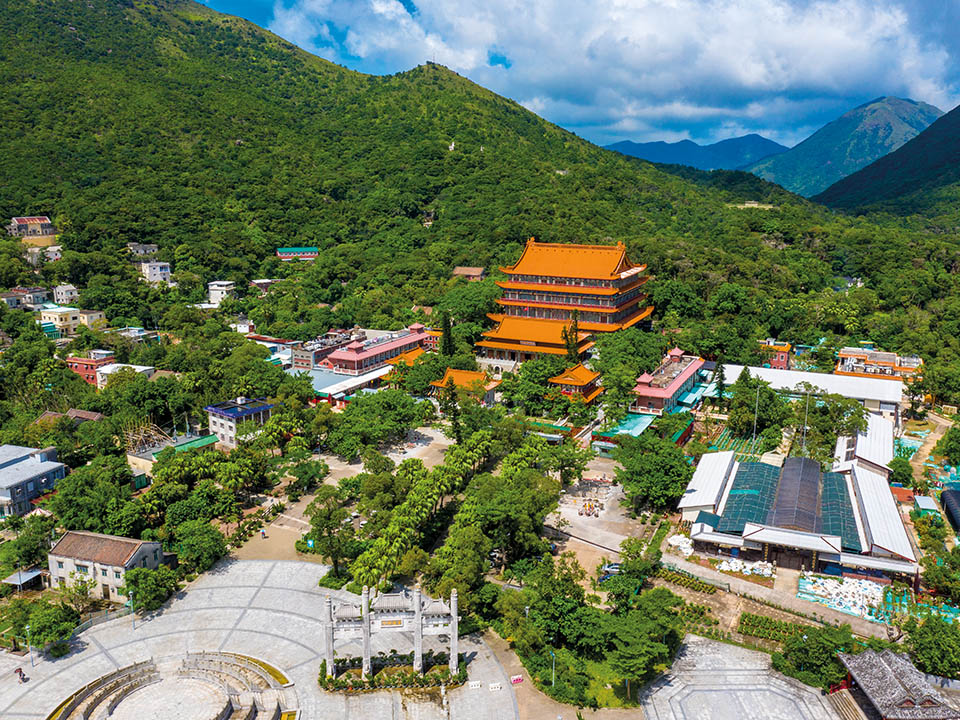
column 155, row 272
column 553, row 284
column 669, row 386
column 86, row 367
column 224, row 418
column 33, row 230
column 141, row 250
column 104, row 559
column 105, row 372
column 25, row 474
column 363, row 356
column 32, row 297
column 65, row 294
column 776, row 353
column 472, row 274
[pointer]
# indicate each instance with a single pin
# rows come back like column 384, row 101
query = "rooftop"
column 579, row 375
column 466, row 379
column 589, row 262
column 97, row 548
column 239, row 407
column 31, row 220
column 859, row 388
column 467, row 270
column 675, row 369
column 895, row 687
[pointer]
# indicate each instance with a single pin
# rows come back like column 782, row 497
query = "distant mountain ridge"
column 727, row 154
column 922, row 176
column 846, row 145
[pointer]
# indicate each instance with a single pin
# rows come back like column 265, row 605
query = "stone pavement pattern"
column 715, row 681
column 266, row 610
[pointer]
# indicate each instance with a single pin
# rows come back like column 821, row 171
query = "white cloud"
column 618, row 66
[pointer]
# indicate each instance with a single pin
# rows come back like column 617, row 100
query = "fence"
column 720, row 584
column 98, row 618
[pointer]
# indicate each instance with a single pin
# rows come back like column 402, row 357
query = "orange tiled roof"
column 407, row 358
column 592, row 395
column 578, row 375
column 597, row 262
column 531, row 330
column 466, row 379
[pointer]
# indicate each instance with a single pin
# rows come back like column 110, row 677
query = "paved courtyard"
column 266, row 610
column 715, row 681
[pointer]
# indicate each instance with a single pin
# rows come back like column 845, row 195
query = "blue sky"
column 649, row 69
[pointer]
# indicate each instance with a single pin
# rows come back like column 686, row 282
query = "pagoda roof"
column 597, row 262
column 578, row 375
column 466, row 379
column 531, row 330
column 567, row 288
column 407, row 358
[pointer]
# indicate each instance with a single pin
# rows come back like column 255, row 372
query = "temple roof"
column 531, row 330
column 407, row 358
column 594, row 262
column 578, row 375
column 895, row 687
column 466, row 379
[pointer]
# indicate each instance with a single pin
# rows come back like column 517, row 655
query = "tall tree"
column 448, row 346
column 327, row 527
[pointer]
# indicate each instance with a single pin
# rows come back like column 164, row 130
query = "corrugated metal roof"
column 860, row 388
column 708, row 481
column 883, row 525
column 785, row 537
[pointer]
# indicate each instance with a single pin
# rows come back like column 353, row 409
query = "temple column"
column 454, row 633
column 328, row 630
column 417, row 631
column 365, row 623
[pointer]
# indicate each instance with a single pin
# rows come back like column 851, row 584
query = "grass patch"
column 335, row 582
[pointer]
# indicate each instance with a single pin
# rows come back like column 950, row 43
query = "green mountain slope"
column 923, row 176
column 846, row 145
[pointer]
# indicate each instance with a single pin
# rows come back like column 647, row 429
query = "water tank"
column 950, row 499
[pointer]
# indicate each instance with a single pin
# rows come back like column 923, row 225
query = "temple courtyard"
column 269, row 612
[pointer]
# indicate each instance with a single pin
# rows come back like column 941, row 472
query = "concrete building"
column 312, row 353
column 298, row 253
column 105, row 372
column 65, row 294
column 669, row 386
column 224, row 418
column 156, row 272
column 218, row 290
column 870, row 363
column 104, row 559
column 32, row 297
column 141, row 249
column 872, row 448
column 363, row 356
column 26, row 474
column 36, row 230
column 86, row 367
column 65, row 319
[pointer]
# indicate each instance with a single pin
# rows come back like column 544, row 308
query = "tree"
column 450, row 406
column 90, row 495
column 150, row 588
column 901, row 471
column 30, row 546
column 647, row 638
column 654, row 472
column 448, row 347
column 811, row 655
column 571, row 338
column 569, row 460
column 76, row 593
column 199, row 545
column 755, row 404
column 949, row 445
column 327, row 529
column 720, row 379
column 934, row 645
column 52, row 623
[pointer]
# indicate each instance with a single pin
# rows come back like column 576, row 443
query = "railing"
column 132, row 687
column 83, row 693
column 98, row 619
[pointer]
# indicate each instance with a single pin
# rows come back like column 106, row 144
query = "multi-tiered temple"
column 549, row 283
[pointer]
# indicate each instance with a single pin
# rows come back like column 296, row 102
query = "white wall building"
column 65, row 294
column 224, row 418
column 107, row 371
column 218, row 290
column 155, row 272
column 104, row 559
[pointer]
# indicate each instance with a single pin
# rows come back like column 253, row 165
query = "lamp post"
column 29, row 645
column 133, row 612
column 554, row 669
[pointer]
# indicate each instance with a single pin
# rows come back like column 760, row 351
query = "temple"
column 552, row 281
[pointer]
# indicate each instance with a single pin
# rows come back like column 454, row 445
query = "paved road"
column 264, row 609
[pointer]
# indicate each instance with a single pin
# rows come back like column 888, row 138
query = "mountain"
column 727, row 154
column 849, row 143
column 923, row 176
column 167, row 122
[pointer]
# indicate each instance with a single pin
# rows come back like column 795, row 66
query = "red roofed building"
column 362, row 356
column 664, row 389
column 33, row 226
column 86, row 367
column 473, row 381
column 552, row 281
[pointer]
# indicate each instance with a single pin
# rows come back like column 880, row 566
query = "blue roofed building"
column 224, row 418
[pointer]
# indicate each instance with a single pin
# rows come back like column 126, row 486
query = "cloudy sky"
column 649, row 69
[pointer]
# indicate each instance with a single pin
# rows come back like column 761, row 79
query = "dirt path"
column 941, row 425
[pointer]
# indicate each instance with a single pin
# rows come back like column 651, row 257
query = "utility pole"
column 756, row 409
column 806, row 409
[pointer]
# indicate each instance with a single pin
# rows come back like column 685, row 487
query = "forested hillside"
column 849, row 143
column 173, row 124
column 923, row 176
